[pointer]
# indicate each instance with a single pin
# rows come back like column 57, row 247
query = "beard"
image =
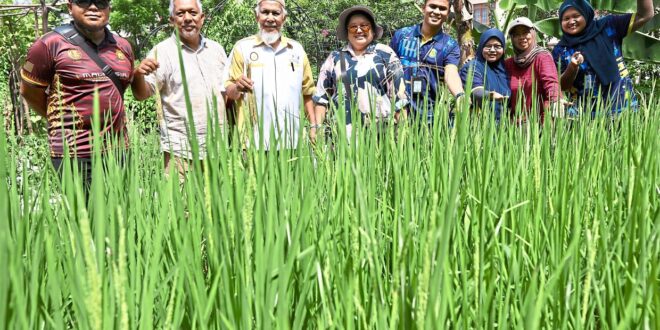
column 270, row 37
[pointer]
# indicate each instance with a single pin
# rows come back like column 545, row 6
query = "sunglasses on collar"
column 100, row 4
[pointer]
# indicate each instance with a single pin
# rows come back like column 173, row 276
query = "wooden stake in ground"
column 463, row 21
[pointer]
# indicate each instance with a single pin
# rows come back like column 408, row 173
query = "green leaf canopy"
column 638, row 46
column 610, row 5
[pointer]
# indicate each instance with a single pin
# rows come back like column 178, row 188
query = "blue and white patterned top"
column 585, row 92
column 375, row 77
column 426, row 61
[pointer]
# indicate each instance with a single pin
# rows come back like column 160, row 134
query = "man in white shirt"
column 268, row 75
column 160, row 73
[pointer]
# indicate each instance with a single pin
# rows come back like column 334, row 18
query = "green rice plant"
column 476, row 225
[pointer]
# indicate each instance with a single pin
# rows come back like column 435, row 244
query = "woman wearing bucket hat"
column 368, row 74
column 590, row 56
column 534, row 79
column 489, row 78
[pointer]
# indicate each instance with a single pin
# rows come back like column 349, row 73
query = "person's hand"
column 495, row 96
column 244, row 84
column 146, row 67
column 312, row 134
column 460, row 100
column 400, row 115
column 559, row 108
column 577, row 59
column 313, row 129
column 241, row 85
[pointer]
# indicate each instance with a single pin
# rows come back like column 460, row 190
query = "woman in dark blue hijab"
column 489, row 78
column 590, row 55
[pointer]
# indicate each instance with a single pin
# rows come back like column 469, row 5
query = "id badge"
column 416, row 85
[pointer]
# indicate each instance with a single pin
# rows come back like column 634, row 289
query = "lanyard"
column 419, row 50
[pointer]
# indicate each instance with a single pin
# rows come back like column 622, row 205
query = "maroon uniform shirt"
column 71, row 78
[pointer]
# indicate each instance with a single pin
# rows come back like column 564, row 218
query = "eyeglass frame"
column 354, row 29
column 494, row 47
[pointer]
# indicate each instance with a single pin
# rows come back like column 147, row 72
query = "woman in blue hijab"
column 490, row 80
column 590, row 56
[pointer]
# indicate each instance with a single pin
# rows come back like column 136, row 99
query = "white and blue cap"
column 524, row 21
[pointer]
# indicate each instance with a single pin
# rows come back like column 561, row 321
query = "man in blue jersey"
column 429, row 57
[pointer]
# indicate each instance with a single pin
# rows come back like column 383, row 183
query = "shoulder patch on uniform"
column 28, row 66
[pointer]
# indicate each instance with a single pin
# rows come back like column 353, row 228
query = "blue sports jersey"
column 426, row 63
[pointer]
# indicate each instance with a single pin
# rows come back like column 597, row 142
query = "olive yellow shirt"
column 281, row 77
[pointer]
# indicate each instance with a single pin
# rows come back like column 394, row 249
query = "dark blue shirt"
column 425, row 62
column 586, row 89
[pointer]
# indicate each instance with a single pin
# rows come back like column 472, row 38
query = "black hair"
column 448, row 2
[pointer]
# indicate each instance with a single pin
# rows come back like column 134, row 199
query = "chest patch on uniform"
column 254, row 56
column 74, row 54
column 120, row 55
column 433, row 53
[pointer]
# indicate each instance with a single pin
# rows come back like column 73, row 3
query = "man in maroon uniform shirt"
column 60, row 79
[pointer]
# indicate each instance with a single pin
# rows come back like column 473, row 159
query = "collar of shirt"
column 202, row 43
column 418, row 33
column 108, row 39
column 370, row 49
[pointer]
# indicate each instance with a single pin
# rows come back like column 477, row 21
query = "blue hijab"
column 593, row 42
column 492, row 76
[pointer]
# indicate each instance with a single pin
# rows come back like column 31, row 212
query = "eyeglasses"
column 493, row 47
column 100, row 4
column 364, row 27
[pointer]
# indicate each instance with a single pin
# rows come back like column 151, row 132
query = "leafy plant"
column 640, row 46
column 472, row 226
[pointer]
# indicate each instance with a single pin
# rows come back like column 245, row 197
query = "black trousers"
column 84, row 167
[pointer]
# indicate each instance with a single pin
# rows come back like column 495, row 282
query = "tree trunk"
column 44, row 17
column 463, row 21
column 19, row 113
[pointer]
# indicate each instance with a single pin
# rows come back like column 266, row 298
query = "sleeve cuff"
column 32, row 81
column 323, row 100
column 400, row 104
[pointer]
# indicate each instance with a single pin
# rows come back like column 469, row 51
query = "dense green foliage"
column 476, row 226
